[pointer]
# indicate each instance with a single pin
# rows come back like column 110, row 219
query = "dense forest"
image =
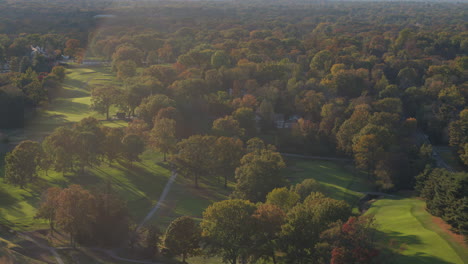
column 223, row 89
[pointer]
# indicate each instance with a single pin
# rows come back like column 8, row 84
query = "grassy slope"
column 406, row 222
column 18, row 205
column 338, row 180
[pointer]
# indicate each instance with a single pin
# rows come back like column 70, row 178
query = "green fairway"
column 406, row 222
column 139, row 185
column 72, row 104
column 338, row 180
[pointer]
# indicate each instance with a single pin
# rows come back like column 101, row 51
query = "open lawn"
column 339, row 180
column 71, row 105
column 406, row 222
column 139, row 184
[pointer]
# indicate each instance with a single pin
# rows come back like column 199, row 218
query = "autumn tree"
column 72, row 47
column 75, row 212
column 268, row 219
column 351, row 242
column 138, row 127
column 22, row 163
column 48, row 206
column 182, row 237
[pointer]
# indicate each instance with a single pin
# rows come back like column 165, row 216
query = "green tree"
column 182, row 237
column 228, row 127
column 58, row 145
column 194, row 157
column 151, row 105
column 59, row 72
column 103, row 97
column 126, row 69
column 246, row 118
column 283, row 198
column 258, row 174
column 219, row 58
column 112, row 144
column 87, row 149
column 162, row 136
column 132, row 146
column 366, row 151
column 227, row 229
column 304, row 224
column 227, row 152
column 306, row 187
column 22, row 163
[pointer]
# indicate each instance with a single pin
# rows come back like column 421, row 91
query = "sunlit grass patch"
column 406, row 222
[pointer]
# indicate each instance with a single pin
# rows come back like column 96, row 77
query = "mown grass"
column 338, row 180
column 138, row 184
column 404, row 222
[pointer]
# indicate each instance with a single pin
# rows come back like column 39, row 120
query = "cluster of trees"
column 290, row 227
column 458, row 133
column 446, row 196
column 21, row 91
column 66, row 149
column 369, row 94
column 85, row 215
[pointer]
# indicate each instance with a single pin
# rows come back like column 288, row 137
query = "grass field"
column 406, row 222
column 338, row 180
column 72, row 104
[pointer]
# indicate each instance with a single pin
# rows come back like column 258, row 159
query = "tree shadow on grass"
column 73, row 93
column 421, row 258
column 6, row 199
column 145, row 180
column 390, row 254
column 70, row 107
column 400, row 239
column 76, row 83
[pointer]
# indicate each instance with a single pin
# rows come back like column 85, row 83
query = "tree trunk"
column 107, row 113
column 225, row 181
column 164, row 156
column 184, row 256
